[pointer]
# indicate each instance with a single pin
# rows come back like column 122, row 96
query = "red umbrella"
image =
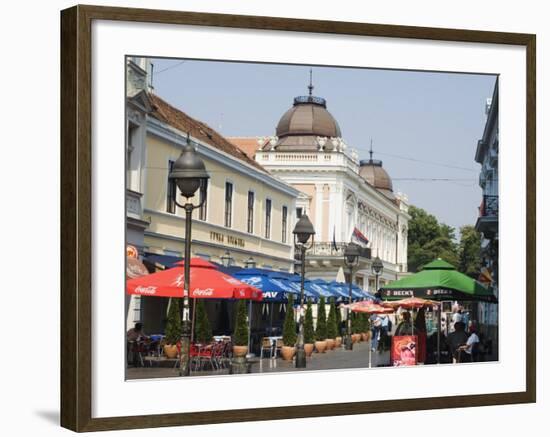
column 411, row 302
column 206, row 282
column 369, row 307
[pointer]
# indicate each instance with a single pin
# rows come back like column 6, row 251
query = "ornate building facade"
column 342, row 195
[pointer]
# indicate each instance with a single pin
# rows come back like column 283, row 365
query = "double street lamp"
column 189, row 174
column 351, row 260
column 302, row 233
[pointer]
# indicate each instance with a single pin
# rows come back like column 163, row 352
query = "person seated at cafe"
column 136, row 333
column 405, row 326
column 470, row 348
column 455, row 340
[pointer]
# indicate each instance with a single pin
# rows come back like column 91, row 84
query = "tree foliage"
column 203, row 329
column 289, row 327
column 309, row 332
column 173, row 324
column 240, row 334
column 428, row 239
column 332, row 328
column 321, row 331
column 470, row 241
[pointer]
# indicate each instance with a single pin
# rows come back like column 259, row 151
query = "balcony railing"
column 133, row 204
column 489, row 206
column 327, row 248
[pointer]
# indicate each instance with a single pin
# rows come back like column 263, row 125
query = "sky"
column 423, row 125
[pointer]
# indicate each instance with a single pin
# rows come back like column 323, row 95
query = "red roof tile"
column 178, row 119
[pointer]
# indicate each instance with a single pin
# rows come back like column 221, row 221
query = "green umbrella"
column 438, row 280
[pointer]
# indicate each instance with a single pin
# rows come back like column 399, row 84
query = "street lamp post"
column 189, row 174
column 377, row 267
column 351, row 260
column 302, row 232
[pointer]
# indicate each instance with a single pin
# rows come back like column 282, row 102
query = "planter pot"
column 288, row 352
column 240, row 351
column 170, row 350
column 320, row 346
column 337, row 342
column 308, row 348
column 355, row 337
column 330, row 343
column 364, row 336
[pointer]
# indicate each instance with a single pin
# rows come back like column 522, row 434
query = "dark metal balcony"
column 487, row 221
column 327, row 248
column 489, row 207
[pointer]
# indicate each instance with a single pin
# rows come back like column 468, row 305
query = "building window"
column 267, row 218
column 284, row 224
column 299, row 212
column 171, row 192
column 228, row 204
column 131, row 145
column 250, row 217
column 202, row 209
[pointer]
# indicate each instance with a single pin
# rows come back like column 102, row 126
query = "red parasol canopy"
column 366, row 306
column 411, row 302
column 206, row 282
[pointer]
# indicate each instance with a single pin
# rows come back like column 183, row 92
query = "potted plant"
column 332, row 329
column 289, row 332
column 309, row 332
column 173, row 328
column 203, row 330
column 321, row 331
column 240, row 334
column 338, row 339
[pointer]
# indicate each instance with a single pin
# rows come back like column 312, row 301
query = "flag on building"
column 358, row 237
column 334, row 245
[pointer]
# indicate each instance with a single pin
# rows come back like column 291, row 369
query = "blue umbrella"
column 273, row 290
column 364, row 293
column 329, row 291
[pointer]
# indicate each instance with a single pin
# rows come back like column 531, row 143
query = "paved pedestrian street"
column 335, row 359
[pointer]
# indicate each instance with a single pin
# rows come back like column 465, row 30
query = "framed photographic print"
column 288, row 218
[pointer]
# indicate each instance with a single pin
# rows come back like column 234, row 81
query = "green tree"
column 469, row 247
column 354, row 317
column 423, row 227
column 289, row 327
column 428, row 239
column 321, row 331
column 173, row 324
column 240, row 334
column 309, row 332
column 203, row 330
column 332, row 329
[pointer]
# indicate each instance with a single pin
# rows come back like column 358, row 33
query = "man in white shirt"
column 473, row 339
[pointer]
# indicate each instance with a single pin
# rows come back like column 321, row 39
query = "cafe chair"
column 267, row 345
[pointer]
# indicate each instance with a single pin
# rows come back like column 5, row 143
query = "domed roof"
column 372, row 171
column 308, row 119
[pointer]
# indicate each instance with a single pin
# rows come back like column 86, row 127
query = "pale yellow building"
column 248, row 212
